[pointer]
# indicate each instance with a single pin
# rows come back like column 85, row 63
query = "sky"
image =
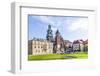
column 70, row 27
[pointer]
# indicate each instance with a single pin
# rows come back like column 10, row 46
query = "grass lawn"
column 58, row 56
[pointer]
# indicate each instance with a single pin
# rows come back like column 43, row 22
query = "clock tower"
column 49, row 35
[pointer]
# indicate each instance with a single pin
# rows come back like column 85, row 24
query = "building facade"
column 68, row 46
column 78, row 46
column 40, row 46
column 86, row 46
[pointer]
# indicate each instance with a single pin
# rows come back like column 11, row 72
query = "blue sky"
column 70, row 27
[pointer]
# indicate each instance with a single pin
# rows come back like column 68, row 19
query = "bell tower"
column 59, row 46
column 49, row 35
column 57, row 37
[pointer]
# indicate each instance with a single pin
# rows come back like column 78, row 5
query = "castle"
column 55, row 44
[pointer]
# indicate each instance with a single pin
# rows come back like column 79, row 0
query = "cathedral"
column 59, row 45
column 55, row 44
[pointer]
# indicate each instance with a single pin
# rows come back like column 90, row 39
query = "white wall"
column 5, row 32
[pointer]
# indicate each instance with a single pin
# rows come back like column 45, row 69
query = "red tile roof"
column 80, row 41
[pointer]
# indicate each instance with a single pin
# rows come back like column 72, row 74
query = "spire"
column 49, row 26
column 57, row 32
column 49, row 35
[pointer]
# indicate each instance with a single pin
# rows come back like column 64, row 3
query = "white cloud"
column 54, row 29
column 49, row 20
column 44, row 19
column 69, row 24
column 79, row 24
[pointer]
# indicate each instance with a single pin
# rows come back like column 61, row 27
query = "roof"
column 86, row 41
column 39, row 39
column 78, row 41
column 67, row 41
